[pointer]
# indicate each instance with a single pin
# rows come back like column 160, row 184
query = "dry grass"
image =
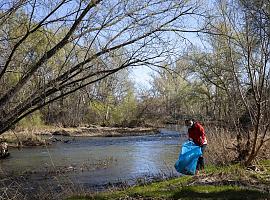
column 23, row 138
column 221, row 147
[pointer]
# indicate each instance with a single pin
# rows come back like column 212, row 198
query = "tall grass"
column 221, row 148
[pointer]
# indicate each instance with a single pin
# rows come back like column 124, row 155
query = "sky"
column 142, row 75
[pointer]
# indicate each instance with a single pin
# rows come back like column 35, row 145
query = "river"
column 99, row 161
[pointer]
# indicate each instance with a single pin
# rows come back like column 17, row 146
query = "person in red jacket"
column 196, row 133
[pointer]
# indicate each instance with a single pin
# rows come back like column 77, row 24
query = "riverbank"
column 45, row 135
column 230, row 182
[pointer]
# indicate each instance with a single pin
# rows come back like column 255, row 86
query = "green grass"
column 158, row 189
column 218, row 192
column 180, row 188
column 184, row 192
column 264, row 174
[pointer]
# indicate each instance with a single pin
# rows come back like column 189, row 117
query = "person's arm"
column 202, row 135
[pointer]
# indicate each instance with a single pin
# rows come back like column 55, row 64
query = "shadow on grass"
column 189, row 193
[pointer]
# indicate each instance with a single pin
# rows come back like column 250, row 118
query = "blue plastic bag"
column 188, row 157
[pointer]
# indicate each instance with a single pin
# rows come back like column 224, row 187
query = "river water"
column 96, row 161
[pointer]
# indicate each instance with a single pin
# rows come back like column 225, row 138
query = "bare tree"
column 256, row 45
column 239, row 67
column 54, row 48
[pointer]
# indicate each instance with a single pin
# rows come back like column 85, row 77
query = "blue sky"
column 142, row 75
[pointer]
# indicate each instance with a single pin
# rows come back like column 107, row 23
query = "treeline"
column 115, row 101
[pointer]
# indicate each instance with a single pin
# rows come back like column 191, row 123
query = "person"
column 4, row 150
column 196, row 133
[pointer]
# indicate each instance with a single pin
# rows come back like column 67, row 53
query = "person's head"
column 189, row 122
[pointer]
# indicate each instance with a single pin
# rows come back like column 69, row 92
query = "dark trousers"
column 200, row 163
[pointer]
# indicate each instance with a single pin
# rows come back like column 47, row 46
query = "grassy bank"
column 230, row 182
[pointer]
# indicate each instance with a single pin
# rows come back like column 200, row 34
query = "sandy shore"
column 98, row 131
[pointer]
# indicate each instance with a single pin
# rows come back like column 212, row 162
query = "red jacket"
column 197, row 134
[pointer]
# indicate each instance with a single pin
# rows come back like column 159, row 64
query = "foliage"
column 33, row 120
column 181, row 95
column 111, row 112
